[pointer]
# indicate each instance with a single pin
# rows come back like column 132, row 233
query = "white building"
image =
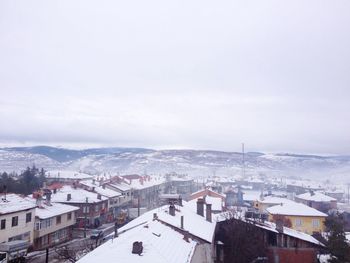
column 53, row 223
column 16, row 218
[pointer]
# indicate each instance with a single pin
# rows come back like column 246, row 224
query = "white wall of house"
column 23, row 230
column 50, row 225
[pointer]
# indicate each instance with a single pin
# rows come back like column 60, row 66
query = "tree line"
column 24, row 183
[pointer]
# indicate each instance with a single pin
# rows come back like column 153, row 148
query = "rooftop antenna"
column 243, row 161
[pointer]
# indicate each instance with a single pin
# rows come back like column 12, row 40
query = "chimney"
column 182, row 222
column 208, row 212
column 172, row 210
column 99, row 197
column 155, row 217
column 55, row 190
column 279, row 225
column 93, row 181
column 48, row 198
column 180, row 201
column 200, row 206
column 186, row 236
column 69, row 197
column 39, row 201
column 104, row 186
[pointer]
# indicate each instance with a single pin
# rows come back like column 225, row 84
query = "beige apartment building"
column 16, row 218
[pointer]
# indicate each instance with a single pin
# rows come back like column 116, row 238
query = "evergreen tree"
column 337, row 245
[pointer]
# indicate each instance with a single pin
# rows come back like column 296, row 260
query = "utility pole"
column 138, row 204
column 243, row 161
column 85, row 219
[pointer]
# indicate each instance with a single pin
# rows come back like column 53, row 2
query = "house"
column 171, row 233
column 120, row 185
column 178, row 184
column 281, row 244
column 53, row 221
column 264, row 202
column 145, row 189
column 115, row 198
column 211, row 197
column 16, row 218
column 317, row 200
column 234, row 197
column 93, row 207
column 298, row 216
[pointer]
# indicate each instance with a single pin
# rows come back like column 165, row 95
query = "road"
column 81, row 245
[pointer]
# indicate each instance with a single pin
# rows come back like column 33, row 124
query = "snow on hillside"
column 192, row 162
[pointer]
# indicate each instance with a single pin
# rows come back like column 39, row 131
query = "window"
column 58, row 220
column 315, row 222
column 85, row 209
column 3, row 223
column 28, row 217
column 14, row 221
column 298, row 222
column 69, row 216
column 46, row 223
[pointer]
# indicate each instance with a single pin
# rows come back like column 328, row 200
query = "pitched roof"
column 316, row 196
column 14, row 203
column 160, row 244
column 294, row 209
column 77, row 195
column 195, row 224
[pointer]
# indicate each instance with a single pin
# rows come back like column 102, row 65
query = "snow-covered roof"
column 121, row 186
column 195, row 224
column 290, row 232
column 146, row 182
column 55, row 209
column 100, row 190
column 160, row 244
column 274, row 200
column 14, row 203
column 294, row 209
column 316, row 196
column 67, row 175
column 270, row 226
column 78, row 195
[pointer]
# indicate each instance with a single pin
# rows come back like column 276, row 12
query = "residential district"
column 168, row 218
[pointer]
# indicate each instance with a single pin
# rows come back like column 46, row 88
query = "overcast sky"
column 176, row 74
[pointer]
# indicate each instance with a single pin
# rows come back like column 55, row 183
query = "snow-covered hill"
column 192, row 162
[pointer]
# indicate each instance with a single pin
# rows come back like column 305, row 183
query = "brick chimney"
column 200, row 206
column 155, row 216
column 69, row 197
column 182, row 222
column 172, row 210
column 186, row 236
column 208, row 212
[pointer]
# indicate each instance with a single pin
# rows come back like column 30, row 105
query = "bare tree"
column 243, row 241
column 73, row 252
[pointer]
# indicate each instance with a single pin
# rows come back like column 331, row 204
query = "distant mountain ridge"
column 193, row 162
